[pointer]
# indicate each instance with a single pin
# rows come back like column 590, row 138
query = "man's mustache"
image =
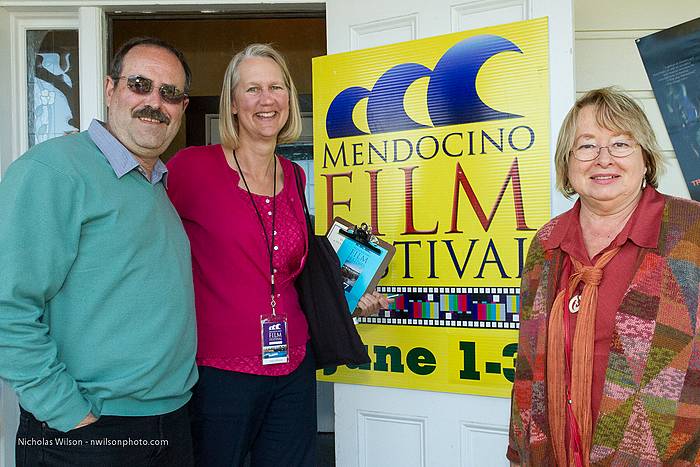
column 150, row 112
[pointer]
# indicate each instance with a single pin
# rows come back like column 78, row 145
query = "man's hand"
column 88, row 420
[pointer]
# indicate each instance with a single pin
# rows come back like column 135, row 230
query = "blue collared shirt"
column 120, row 158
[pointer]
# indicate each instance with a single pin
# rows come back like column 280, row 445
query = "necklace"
column 269, row 242
column 619, row 225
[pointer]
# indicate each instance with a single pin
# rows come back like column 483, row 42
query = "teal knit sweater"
column 96, row 301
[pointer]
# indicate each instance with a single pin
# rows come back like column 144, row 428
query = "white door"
column 378, row 427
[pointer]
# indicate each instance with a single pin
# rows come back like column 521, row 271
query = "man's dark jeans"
column 153, row 441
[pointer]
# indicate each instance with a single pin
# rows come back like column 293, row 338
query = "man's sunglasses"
column 143, row 86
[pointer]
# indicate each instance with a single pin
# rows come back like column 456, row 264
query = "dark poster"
column 672, row 61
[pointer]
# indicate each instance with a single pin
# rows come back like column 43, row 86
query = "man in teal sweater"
column 97, row 327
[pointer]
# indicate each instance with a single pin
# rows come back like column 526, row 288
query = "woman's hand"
column 371, row 303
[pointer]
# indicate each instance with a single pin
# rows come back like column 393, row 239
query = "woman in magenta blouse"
column 241, row 209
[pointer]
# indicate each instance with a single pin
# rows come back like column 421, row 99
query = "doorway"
column 209, row 41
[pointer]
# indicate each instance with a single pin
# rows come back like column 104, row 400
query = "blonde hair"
column 228, row 122
column 615, row 111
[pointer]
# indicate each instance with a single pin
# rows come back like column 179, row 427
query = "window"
column 53, row 105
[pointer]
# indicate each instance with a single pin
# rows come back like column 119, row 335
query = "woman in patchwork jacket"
column 608, row 369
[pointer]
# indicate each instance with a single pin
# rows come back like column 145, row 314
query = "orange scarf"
column 581, row 360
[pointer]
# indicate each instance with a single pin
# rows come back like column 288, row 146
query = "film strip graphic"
column 471, row 307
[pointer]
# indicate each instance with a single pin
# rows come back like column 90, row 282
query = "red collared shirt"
column 640, row 232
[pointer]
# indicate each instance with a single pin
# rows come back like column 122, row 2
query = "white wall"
column 9, row 419
column 5, row 90
column 605, row 54
column 8, row 401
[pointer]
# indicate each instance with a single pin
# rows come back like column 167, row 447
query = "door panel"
column 389, row 31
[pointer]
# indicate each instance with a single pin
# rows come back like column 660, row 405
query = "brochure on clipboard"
column 363, row 258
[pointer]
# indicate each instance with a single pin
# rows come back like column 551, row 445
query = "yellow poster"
column 442, row 146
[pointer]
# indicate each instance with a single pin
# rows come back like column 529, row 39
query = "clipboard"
column 363, row 258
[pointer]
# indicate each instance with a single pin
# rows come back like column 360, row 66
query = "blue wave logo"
column 452, row 96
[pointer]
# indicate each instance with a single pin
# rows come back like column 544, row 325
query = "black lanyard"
column 269, row 244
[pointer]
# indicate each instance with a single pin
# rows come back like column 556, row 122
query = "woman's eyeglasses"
column 143, row 86
column 618, row 149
